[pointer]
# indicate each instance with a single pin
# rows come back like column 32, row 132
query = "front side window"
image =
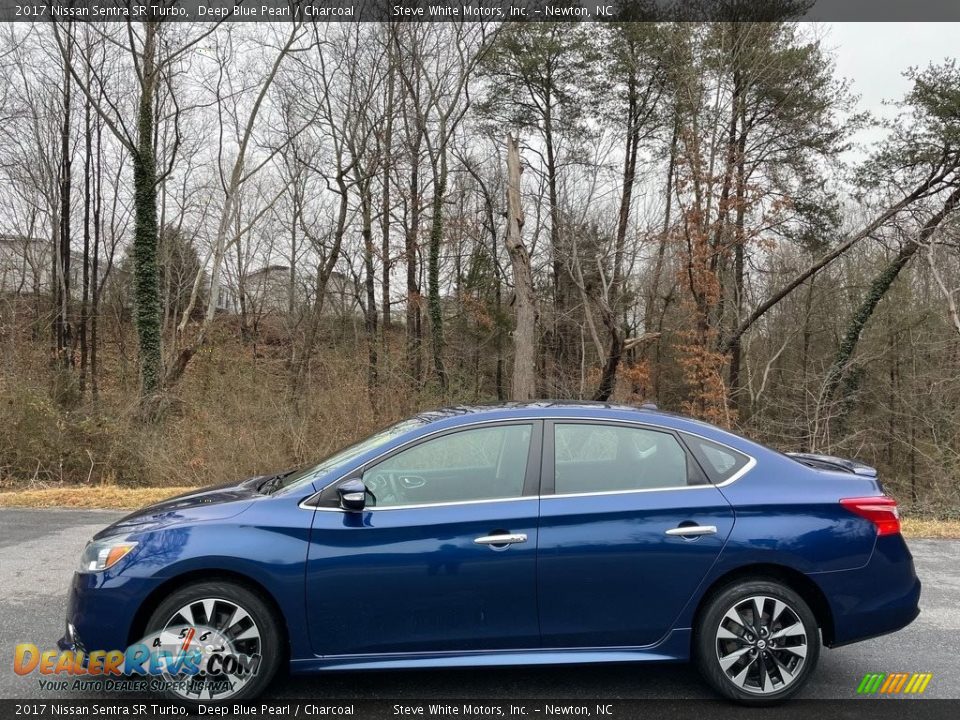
column 479, row 464
column 605, row 458
column 339, row 459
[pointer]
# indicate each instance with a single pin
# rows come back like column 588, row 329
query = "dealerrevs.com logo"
column 894, row 683
column 193, row 661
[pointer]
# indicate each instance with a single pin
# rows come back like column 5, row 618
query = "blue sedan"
column 518, row 534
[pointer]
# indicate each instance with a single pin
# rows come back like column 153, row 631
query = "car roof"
column 538, row 408
column 467, row 414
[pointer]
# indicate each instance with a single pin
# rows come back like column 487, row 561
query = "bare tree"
column 444, row 56
column 525, row 331
column 151, row 62
column 240, row 123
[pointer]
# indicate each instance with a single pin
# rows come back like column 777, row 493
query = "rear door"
column 629, row 526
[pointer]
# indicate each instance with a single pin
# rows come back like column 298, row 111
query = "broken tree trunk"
column 525, row 331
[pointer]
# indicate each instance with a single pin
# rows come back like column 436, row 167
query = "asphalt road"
column 40, row 548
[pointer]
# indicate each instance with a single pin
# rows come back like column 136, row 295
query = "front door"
column 613, row 568
column 443, row 557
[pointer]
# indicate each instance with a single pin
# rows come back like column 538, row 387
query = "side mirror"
column 353, row 494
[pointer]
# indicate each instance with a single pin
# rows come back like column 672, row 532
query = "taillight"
column 880, row 510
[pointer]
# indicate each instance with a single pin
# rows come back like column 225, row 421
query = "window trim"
column 325, row 499
column 424, row 506
column 542, row 437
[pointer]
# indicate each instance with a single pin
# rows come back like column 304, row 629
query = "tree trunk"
column 146, row 287
column 562, row 340
column 62, row 255
column 498, row 305
column 95, row 270
column 85, row 298
column 370, row 311
column 299, row 365
column 651, row 300
column 413, row 285
column 433, row 270
column 739, row 257
column 525, row 332
column 610, row 311
column 491, row 226
column 385, row 198
column 292, row 277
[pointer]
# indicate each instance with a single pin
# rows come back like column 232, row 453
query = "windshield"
column 343, row 457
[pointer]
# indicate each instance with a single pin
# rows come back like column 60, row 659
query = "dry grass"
column 925, row 528
column 230, row 418
column 103, row 497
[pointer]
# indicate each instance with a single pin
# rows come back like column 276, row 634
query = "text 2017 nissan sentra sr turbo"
column 520, row 534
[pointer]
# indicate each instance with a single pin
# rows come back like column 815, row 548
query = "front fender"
column 268, row 548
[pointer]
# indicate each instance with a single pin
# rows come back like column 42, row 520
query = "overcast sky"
column 873, row 56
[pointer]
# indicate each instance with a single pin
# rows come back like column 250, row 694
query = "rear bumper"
column 879, row 598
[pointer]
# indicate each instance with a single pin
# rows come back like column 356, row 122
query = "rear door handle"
column 501, row 539
column 693, row 530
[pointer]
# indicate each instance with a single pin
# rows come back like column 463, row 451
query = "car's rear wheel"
column 757, row 642
column 223, row 629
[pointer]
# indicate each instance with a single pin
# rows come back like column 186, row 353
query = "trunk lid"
column 833, row 463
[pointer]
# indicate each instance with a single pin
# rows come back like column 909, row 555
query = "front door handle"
column 508, row 539
column 693, row 530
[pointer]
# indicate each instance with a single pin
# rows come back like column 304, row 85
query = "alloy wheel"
column 213, row 625
column 761, row 644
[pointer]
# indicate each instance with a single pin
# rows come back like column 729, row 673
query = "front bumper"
column 101, row 611
column 71, row 640
column 879, row 598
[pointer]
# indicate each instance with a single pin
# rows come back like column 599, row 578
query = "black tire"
column 764, row 671
column 270, row 643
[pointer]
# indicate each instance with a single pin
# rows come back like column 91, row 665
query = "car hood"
column 212, row 503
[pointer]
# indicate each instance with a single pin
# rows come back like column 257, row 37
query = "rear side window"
column 592, row 458
column 720, row 462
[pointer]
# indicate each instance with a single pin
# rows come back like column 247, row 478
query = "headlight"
column 100, row 554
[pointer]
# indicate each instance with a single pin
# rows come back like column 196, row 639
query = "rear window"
column 720, row 461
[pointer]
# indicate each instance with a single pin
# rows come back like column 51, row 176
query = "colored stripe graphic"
column 894, row 683
column 890, row 682
column 870, row 683
column 914, row 683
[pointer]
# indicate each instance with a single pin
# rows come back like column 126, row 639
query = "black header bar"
column 478, row 10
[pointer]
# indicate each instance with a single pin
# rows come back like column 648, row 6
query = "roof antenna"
column 649, row 406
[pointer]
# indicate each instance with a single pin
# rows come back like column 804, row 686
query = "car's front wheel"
column 757, row 642
column 218, row 641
